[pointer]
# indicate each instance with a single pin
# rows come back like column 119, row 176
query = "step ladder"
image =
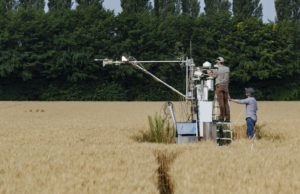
column 223, row 129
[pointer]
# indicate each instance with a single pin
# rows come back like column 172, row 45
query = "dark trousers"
column 222, row 95
column 250, row 127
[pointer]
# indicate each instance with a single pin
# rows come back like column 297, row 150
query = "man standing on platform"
column 222, row 82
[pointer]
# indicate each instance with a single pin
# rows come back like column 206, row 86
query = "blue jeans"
column 250, row 127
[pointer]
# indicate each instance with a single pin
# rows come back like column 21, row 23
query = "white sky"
column 269, row 12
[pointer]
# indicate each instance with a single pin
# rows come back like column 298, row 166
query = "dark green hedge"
column 49, row 56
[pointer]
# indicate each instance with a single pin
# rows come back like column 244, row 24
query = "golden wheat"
column 89, row 147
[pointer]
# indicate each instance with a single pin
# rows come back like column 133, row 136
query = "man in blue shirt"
column 251, row 108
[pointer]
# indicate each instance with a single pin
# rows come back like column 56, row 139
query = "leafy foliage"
column 59, row 4
column 49, row 56
column 287, row 9
column 160, row 131
column 244, row 9
column 213, row 7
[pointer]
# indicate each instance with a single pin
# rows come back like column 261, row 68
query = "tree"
column 296, row 10
column 166, row 8
column 156, row 7
column 7, row 5
column 215, row 6
column 59, row 4
column 190, row 7
column 35, row 4
column 288, row 14
column 49, row 56
column 89, row 2
column 195, row 8
column 244, row 9
column 135, row 6
column 224, row 6
column 287, row 9
column 211, row 6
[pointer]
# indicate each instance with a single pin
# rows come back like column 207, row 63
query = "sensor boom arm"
column 135, row 64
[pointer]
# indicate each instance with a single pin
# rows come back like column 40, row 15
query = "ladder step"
column 228, row 127
column 226, row 131
column 221, row 123
column 224, row 138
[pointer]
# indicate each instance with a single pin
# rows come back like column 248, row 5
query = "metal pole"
column 172, row 115
column 157, row 79
column 156, row 61
column 186, row 81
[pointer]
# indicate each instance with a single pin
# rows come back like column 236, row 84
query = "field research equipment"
column 202, row 114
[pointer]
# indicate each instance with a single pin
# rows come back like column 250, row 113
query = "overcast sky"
column 269, row 12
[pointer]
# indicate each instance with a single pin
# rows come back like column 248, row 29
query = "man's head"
column 249, row 92
column 220, row 61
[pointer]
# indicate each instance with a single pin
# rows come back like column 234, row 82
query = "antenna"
column 191, row 50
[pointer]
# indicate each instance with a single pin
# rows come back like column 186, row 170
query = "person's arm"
column 244, row 101
column 234, row 100
column 211, row 73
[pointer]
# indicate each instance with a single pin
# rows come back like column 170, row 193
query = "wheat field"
column 90, row 147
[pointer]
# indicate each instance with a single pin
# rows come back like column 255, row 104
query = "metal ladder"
column 223, row 129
